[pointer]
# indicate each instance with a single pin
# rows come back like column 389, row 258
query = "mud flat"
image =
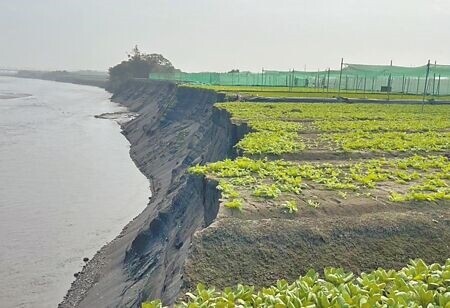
column 13, row 95
column 120, row 117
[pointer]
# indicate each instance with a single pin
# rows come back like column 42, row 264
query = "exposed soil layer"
column 259, row 252
column 176, row 128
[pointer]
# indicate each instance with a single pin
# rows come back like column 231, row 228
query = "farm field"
column 357, row 186
column 299, row 156
column 292, row 127
column 275, row 92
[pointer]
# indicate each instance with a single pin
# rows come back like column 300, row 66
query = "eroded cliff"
column 176, row 127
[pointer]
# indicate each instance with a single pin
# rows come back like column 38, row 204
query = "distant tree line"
column 138, row 65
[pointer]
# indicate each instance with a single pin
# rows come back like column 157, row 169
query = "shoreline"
column 146, row 258
column 94, row 265
column 119, row 211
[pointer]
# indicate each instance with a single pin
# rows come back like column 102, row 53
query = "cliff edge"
column 176, row 127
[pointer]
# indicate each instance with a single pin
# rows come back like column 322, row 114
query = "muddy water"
column 67, row 186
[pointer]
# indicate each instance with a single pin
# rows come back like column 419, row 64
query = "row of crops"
column 417, row 285
column 291, row 128
column 281, row 142
column 279, row 128
column 339, row 111
column 417, row 178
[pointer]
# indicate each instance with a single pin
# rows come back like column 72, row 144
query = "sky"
column 220, row 35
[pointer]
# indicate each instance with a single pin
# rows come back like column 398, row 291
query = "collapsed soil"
column 261, row 251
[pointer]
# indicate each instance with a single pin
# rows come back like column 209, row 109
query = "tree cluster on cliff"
column 138, row 65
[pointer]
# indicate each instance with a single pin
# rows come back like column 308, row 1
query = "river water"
column 67, row 186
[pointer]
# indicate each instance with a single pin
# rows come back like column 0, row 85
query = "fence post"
column 434, row 82
column 318, row 81
column 389, row 88
column 426, row 82
column 340, row 75
column 328, row 81
column 403, row 84
column 407, row 85
column 365, row 80
column 417, row 89
column 439, row 86
column 262, row 76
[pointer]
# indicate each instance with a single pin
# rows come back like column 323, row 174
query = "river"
column 67, row 186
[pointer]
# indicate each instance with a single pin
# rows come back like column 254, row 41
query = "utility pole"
column 340, row 75
column 426, row 83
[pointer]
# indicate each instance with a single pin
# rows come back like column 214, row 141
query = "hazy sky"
column 218, row 35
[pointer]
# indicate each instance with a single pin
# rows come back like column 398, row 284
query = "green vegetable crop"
column 417, row 285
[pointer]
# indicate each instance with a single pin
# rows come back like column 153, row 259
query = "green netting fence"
column 353, row 77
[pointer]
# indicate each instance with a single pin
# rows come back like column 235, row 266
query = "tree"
column 138, row 65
